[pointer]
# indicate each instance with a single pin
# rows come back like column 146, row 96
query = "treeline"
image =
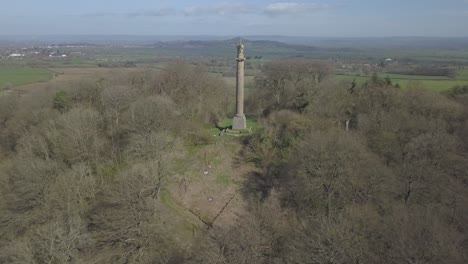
column 82, row 169
column 349, row 174
column 117, row 64
column 345, row 173
column 427, row 71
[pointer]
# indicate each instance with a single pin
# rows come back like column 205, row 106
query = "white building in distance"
column 16, row 55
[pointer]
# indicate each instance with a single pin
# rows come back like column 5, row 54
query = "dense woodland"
column 345, row 173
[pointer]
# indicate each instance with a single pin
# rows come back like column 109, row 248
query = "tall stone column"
column 239, row 122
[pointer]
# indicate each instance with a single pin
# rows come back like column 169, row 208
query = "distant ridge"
column 228, row 43
column 318, row 42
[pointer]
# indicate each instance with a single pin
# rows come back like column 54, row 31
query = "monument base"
column 239, row 122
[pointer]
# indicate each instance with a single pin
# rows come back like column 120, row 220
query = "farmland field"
column 217, row 57
column 438, row 83
column 65, row 75
column 23, row 75
column 463, row 74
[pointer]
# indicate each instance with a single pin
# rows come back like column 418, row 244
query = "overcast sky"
column 340, row 18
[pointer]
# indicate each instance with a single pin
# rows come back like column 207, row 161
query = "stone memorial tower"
column 239, row 122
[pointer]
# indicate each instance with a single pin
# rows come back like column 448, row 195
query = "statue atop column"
column 240, row 50
column 239, row 122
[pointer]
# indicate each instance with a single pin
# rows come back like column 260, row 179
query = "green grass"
column 226, row 122
column 413, row 77
column 23, row 75
column 463, row 74
column 251, row 124
column 223, row 179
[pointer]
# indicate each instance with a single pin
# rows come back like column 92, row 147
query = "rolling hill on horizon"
column 318, row 42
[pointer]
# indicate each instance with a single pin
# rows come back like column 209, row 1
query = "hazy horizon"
column 318, row 42
column 340, row 18
column 235, row 35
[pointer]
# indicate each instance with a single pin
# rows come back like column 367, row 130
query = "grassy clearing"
column 227, row 122
column 226, row 180
column 223, row 179
column 251, row 123
column 23, row 75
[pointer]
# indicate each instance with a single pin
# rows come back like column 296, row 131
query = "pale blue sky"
column 340, row 18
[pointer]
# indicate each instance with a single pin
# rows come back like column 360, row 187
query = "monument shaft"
column 239, row 121
column 240, row 87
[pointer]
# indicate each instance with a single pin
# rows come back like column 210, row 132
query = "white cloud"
column 277, row 9
column 148, row 13
column 221, row 9
column 153, row 13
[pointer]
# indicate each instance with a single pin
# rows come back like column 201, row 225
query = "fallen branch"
column 210, row 224
column 222, row 210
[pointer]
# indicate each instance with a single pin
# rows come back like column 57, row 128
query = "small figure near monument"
column 239, row 122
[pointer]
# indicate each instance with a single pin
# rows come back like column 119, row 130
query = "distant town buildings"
column 44, row 52
column 57, row 55
column 16, row 55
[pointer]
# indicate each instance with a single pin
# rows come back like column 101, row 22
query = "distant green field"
column 463, row 74
column 438, row 83
column 23, row 75
column 413, row 77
